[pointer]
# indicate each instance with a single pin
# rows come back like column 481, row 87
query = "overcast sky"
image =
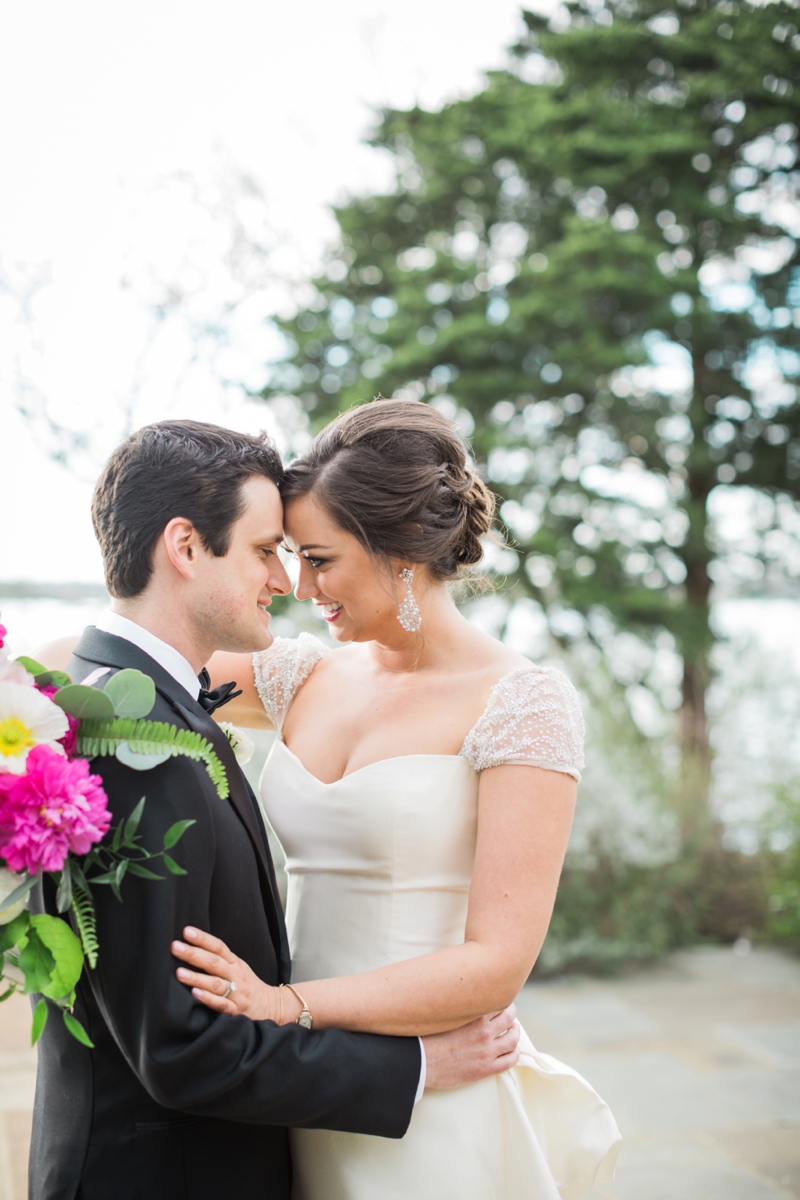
column 125, row 132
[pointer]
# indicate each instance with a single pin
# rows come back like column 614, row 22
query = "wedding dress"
column 379, row 866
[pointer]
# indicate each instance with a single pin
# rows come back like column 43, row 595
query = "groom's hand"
column 485, row 1047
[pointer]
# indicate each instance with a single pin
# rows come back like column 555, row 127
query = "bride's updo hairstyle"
column 395, row 475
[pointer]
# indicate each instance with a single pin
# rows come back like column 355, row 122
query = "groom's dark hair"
column 173, row 469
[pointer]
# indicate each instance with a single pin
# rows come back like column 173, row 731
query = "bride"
column 422, row 785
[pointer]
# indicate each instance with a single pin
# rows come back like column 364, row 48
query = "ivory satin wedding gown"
column 379, row 866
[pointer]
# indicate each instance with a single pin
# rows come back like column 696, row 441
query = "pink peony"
column 55, row 807
column 3, row 632
column 70, row 739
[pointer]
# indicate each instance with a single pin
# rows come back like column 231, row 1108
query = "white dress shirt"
column 165, row 655
column 180, row 669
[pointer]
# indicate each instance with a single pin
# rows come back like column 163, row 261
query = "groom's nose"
column 279, row 582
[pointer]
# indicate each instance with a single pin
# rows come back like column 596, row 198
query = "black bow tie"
column 212, row 700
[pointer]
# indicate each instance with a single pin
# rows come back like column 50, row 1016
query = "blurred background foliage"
column 591, row 266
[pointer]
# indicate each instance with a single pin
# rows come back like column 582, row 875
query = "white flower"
column 242, row 745
column 27, row 719
column 14, row 672
column 9, row 882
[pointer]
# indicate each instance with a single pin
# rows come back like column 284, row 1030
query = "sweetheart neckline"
column 350, row 775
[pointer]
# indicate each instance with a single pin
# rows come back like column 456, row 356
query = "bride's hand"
column 214, row 967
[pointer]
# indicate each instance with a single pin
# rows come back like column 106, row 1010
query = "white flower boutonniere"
column 241, row 744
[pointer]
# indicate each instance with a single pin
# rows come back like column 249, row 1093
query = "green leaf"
column 132, row 823
column 36, row 963
column 59, row 678
column 121, row 871
column 66, row 951
column 8, row 992
column 135, row 868
column 30, row 664
column 175, row 833
column 39, row 1020
column 106, row 877
column 172, row 866
column 132, row 693
column 77, row 1030
column 84, row 702
column 64, row 894
column 14, row 931
column 140, row 762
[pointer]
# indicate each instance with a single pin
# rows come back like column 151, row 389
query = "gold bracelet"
column 305, row 1019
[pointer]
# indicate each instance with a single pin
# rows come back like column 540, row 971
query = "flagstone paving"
column 698, row 1056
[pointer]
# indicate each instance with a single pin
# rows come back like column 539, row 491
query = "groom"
column 175, row 1101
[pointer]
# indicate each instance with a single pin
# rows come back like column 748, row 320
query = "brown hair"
column 395, row 474
column 173, row 469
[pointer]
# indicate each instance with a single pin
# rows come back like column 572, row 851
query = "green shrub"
column 613, row 912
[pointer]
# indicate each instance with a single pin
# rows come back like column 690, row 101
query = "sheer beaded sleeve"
column 280, row 670
column 533, row 719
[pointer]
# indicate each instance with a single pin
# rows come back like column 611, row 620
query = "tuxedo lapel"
column 244, row 802
column 96, row 646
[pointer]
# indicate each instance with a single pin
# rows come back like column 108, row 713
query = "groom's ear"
column 182, row 545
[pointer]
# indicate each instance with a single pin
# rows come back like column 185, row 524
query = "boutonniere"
column 243, row 747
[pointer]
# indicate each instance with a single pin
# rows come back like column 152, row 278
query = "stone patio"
column 699, row 1057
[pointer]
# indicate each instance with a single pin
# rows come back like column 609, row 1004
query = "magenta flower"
column 70, row 739
column 55, row 807
column 3, row 632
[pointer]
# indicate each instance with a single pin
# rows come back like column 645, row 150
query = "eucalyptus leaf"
column 140, row 762
column 77, row 1030
column 132, row 693
column 66, row 951
column 84, row 702
column 39, row 1020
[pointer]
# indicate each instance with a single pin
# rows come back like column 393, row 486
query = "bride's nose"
column 306, row 586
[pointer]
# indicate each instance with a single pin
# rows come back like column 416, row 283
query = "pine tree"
column 623, row 195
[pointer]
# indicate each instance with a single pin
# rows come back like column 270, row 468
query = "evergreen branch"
column 101, row 738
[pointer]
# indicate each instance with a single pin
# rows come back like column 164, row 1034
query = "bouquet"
column 55, row 821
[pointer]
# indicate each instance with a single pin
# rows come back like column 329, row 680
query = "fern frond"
column 99, row 739
column 85, row 919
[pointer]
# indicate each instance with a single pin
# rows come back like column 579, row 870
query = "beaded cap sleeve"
column 282, row 669
column 533, row 719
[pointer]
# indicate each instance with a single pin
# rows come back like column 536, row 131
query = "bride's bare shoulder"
column 55, row 655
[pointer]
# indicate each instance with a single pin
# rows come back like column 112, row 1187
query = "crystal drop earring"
column 408, row 613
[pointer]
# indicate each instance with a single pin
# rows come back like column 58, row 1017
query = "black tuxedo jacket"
column 176, row 1102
